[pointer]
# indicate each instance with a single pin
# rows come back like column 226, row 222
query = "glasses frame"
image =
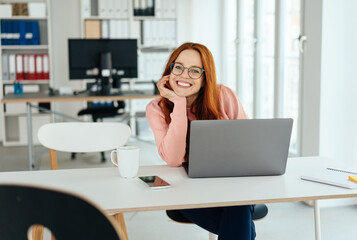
column 188, row 69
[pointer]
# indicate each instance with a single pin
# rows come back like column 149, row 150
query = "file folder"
column 26, row 66
column 12, row 67
column 32, row 67
column 5, row 67
column 22, row 29
column 19, row 67
column 39, row 66
column 92, row 29
column 3, row 32
column 46, row 67
column 16, row 33
column 35, row 32
column 29, row 33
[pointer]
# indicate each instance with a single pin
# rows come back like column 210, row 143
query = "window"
column 264, row 48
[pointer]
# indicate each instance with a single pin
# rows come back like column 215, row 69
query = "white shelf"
column 105, row 18
column 25, row 18
column 42, row 81
column 24, row 47
column 137, row 18
column 13, row 125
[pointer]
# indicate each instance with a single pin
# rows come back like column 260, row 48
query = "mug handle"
column 113, row 158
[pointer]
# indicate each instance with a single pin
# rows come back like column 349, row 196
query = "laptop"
column 237, row 148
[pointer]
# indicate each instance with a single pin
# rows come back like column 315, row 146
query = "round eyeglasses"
column 194, row 72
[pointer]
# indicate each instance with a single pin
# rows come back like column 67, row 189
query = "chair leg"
column 212, row 236
column 53, row 159
column 119, row 218
column 103, row 157
column 37, row 232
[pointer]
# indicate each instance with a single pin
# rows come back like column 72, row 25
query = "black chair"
column 260, row 212
column 100, row 112
column 69, row 217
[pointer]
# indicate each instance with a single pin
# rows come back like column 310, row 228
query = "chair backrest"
column 84, row 136
column 66, row 215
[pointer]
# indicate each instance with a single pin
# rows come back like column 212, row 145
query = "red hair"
column 206, row 105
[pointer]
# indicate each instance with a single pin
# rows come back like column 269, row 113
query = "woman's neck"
column 190, row 100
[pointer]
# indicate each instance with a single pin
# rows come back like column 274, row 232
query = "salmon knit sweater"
column 171, row 138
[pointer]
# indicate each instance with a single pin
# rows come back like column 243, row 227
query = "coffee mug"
column 127, row 161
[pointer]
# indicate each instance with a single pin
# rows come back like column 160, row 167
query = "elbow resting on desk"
column 175, row 160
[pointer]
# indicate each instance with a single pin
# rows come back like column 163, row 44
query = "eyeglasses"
column 194, row 72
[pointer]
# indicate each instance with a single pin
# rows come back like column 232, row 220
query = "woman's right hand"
column 165, row 91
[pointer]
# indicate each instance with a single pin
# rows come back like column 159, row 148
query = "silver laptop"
column 235, row 148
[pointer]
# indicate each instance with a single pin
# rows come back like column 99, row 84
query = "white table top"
column 114, row 194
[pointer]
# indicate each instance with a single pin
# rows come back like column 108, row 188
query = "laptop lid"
column 234, row 148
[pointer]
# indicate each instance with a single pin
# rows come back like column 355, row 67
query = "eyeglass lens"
column 193, row 72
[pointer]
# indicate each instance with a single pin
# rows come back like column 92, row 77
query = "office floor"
column 292, row 221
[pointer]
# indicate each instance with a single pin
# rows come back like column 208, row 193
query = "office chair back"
column 66, row 215
column 100, row 112
column 82, row 137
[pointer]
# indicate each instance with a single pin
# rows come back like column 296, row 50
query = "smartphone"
column 155, row 182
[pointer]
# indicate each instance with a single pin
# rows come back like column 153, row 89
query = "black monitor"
column 103, row 59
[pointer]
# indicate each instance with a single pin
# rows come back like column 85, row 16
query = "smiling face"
column 183, row 85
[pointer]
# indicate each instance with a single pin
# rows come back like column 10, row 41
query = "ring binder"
column 332, row 176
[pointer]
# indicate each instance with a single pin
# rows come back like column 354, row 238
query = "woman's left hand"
column 163, row 87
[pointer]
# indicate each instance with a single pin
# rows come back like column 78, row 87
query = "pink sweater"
column 171, row 139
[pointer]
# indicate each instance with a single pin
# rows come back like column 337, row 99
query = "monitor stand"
column 105, row 87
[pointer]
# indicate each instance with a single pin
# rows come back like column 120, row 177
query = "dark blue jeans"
column 227, row 222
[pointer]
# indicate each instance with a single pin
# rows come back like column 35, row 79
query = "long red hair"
column 206, row 105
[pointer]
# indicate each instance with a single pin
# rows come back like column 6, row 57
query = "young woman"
column 189, row 91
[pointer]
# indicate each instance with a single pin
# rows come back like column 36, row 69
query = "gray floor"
column 285, row 220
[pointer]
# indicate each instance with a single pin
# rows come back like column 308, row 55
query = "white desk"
column 114, row 194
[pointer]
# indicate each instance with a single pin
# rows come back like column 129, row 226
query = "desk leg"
column 317, row 220
column 119, row 218
column 29, row 136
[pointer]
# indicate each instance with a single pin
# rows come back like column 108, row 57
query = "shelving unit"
column 13, row 116
column 157, row 35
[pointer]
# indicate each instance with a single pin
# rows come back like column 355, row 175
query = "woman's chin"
column 180, row 94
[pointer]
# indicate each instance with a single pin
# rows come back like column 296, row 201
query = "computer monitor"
column 103, row 59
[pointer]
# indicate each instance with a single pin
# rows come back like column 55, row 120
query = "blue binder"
column 28, row 33
column 3, row 32
column 35, row 32
column 16, row 32
column 10, row 31
column 22, row 32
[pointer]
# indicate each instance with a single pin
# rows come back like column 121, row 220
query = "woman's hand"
column 163, row 87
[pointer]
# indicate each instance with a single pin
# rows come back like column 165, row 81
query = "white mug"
column 127, row 161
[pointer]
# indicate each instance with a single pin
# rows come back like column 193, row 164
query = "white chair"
column 84, row 137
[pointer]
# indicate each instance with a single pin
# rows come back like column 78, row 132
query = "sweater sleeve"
column 170, row 139
column 231, row 107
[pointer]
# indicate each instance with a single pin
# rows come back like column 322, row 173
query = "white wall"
column 338, row 112
column 338, row 98
column 65, row 24
column 199, row 21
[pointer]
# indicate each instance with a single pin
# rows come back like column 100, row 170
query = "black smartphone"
column 155, row 182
